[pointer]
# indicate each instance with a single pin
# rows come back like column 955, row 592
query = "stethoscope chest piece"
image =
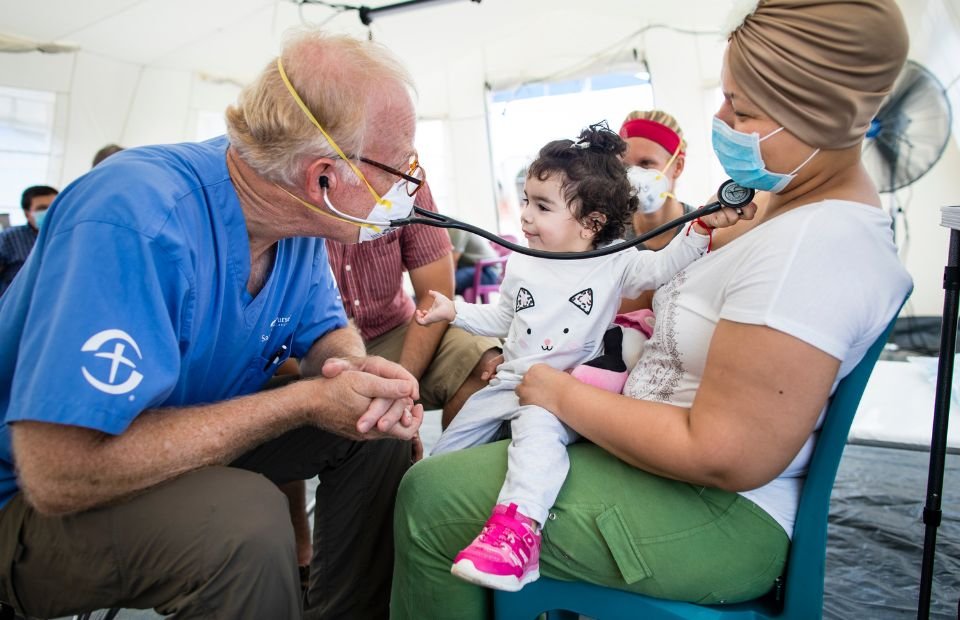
column 734, row 196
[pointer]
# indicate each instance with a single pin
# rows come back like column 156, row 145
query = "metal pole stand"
column 941, row 416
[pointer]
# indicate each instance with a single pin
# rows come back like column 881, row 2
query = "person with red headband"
column 656, row 155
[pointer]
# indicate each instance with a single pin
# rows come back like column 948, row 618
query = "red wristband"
column 709, row 230
column 704, row 224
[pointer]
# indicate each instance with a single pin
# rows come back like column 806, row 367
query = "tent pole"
column 941, row 415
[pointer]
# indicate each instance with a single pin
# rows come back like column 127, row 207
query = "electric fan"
column 910, row 131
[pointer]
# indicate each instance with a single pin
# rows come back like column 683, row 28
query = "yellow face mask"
column 395, row 204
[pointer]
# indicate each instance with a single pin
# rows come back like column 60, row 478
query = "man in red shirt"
column 447, row 361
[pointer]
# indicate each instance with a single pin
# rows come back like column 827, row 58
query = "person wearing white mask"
column 165, row 289
column 656, row 157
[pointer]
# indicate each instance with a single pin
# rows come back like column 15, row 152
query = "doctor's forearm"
column 65, row 469
column 343, row 342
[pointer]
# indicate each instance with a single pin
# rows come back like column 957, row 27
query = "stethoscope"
column 729, row 195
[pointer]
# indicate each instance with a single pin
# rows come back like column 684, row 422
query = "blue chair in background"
column 802, row 593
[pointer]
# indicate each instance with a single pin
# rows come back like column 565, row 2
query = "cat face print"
column 539, row 329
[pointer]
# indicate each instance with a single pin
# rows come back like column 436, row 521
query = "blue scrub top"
column 135, row 297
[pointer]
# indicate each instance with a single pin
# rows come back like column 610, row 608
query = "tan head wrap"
column 820, row 68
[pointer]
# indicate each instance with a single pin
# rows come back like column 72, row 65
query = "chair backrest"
column 805, row 566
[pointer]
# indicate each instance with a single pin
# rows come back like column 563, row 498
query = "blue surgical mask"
column 739, row 154
column 38, row 218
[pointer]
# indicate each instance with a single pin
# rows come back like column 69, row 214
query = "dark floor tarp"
column 875, row 536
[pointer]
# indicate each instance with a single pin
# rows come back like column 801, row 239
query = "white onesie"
column 554, row 312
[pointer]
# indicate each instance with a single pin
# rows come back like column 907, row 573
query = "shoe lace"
column 501, row 531
column 497, row 535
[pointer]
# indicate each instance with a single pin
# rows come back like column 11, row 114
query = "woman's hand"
column 543, row 386
column 441, row 310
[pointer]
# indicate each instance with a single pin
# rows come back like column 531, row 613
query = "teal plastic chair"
column 802, row 594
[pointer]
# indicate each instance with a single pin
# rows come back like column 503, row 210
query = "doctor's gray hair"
column 336, row 77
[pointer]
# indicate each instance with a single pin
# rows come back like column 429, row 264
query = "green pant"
column 613, row 525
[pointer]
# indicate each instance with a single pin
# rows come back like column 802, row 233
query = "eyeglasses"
column 415, row 176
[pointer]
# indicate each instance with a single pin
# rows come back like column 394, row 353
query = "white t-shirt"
column 827, row 273
column 556, row 311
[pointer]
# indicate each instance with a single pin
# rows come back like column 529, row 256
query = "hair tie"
column 604, row 140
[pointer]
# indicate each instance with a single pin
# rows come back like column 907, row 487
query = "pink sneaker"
column 506, row 554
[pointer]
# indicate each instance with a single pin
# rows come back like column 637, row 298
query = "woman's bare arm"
column 760, row 398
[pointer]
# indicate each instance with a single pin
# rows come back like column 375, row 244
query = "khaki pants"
column 218, row 542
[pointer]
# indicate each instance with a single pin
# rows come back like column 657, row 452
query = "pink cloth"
column 638, row 319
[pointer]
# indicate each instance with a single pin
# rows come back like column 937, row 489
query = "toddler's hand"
column 441, row 310
column 728, row 216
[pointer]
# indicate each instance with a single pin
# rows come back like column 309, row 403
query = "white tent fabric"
column 146, row 67
column 9, row 43
column 147, row 71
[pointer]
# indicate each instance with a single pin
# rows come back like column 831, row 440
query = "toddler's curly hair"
column 593, row 179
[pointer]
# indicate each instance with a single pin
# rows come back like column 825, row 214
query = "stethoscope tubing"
column 431, row 218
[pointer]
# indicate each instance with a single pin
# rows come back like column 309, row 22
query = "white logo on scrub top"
column 116, row 357
column 279, row 321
